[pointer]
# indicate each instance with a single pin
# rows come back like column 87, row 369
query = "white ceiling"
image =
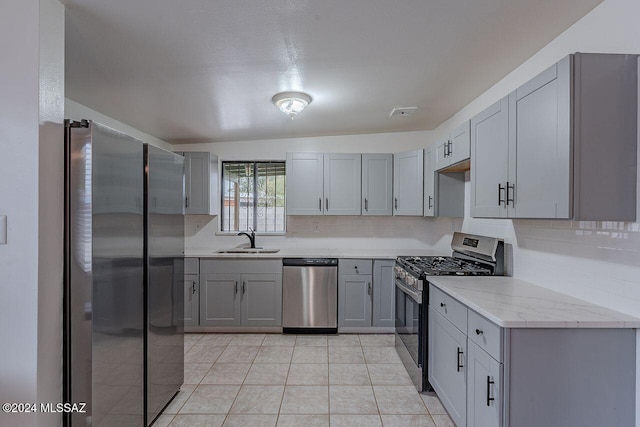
column 205, row 70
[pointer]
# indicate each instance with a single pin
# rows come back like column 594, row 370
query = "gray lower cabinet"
column 191, row 285
column 484, row 389
column 261, row 299
column 191, row 299
column 240, row 293
column 447, row 365
column 384, row 294
column 488, row 376
column 219, row 300
column 366, row 293
column 354, row 300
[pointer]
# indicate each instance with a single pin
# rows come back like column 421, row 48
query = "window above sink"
column 253, row 197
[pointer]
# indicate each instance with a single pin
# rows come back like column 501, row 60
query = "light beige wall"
column 31, row 136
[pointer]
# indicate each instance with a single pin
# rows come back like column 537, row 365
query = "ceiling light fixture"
column 291, row 103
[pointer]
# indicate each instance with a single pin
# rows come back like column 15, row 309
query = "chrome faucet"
column 252, row 237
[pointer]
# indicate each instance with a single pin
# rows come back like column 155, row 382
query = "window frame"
column 256, row 206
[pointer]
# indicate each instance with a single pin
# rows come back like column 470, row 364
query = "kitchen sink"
column 248, row 251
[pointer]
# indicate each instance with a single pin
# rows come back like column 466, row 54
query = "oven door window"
column 408, row 314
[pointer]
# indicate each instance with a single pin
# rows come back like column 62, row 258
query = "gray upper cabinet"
column 201, row 183
column 384, row 294
column 571, row 145
column 429, row 182
column 455, row 148
column 377, row 184
column 342, row 184
column 489, row 161
column 323, row 184
column 407, row 183
column 305, row 184
column 539, row 175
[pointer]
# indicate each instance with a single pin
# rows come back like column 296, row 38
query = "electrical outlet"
column 3, row 229
column 316, row 227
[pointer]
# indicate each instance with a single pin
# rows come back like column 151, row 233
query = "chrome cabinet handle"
column 244, row 285
column 320, row 204
column 460, row 365
column 369, row 288
column 500, row 190
column 193, row 287
column 186, row 202
column 489, row 384
column 366, row 204
column 430, row 202
column 396, row 203
column 326, row 206
column 236, row 288
column 479, row 332
column 443, row 305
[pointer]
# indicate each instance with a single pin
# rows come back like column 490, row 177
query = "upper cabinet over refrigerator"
column 563, row 145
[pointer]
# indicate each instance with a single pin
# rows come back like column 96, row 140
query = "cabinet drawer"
column 486, row 334
column 191, row 266
column 355, row 266
column 240, row 266
column 451, row 309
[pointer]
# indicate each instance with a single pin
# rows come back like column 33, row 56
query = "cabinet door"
column 489, row 161
column 354, row 300
column 342, row 184
column 384, row 294
column 484, row 393
column 191, row 300
column 460, row 143
column 429, row 182
column 447, row 365
column 219, row 300
column 261, row 299
column 197, row 182
column 407, row 183
column 442, row 158
column 377, row 184
column 304, row 184
column 540, row 146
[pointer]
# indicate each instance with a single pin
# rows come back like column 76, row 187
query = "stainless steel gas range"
column 472, row 256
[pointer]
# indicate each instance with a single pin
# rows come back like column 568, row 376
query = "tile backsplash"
column 595, row 261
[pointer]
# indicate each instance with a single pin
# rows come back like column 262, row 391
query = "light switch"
column 3, row 229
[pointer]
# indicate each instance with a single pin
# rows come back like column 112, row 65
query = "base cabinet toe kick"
column 486, row 375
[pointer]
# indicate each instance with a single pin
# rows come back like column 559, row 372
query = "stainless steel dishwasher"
column 309, row 295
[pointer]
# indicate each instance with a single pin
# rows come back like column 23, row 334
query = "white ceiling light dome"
column 291, row 103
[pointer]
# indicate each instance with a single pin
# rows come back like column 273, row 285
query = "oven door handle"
column 415, row 295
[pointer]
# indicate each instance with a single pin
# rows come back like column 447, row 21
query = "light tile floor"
column 285, row 380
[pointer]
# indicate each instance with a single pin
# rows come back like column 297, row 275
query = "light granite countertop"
column 317, row 253
column 513, row 303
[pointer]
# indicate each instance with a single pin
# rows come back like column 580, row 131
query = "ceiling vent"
column 403, row 111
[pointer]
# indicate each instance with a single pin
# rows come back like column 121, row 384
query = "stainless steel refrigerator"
column 123, row 328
